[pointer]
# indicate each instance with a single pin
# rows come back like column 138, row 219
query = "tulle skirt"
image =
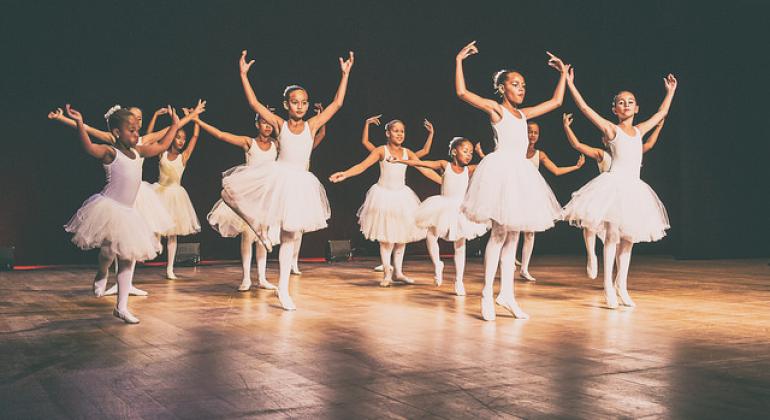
column 152, row 209
column 443, row 214
column 179, row 206
column 229, row 225
column 102, row 221
column 276, row 194
column 618, row 206
column 388, row 215
column 509, row 191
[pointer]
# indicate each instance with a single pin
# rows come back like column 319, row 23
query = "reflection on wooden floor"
column 697, row 346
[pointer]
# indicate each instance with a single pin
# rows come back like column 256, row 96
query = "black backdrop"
column 709, row 167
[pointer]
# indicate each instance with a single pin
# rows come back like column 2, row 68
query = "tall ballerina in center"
column 283, row 192
column 506, row 189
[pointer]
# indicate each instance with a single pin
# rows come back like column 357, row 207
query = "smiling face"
column 395, row 131
column 513, row 88
column 533, row 133
column 624, row 105
column 296, row 103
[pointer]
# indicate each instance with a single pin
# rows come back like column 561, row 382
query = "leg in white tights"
column 386, row 251
column 506, row 297
column 526, row 255
column 125, row 278
column 103, row 271
column 491, row 260
column 609, row 261
column 433, row 250
column 295, row 264
column 171, row 250
column 621, row 279
column 592, row 265
column 398, row 264
column 459, row 266
column 285, row 258
column 247, row 238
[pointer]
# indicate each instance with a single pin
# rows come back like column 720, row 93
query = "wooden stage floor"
column 697, row 345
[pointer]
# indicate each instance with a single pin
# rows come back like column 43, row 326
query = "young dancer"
column 441, row 214
column 603, row 162
column 506, row 189
column 284, row 193
column 419, row 153
column 108, row 220
column 388, row 212
column 174, row 197
column 617, row 205
column 537, row 156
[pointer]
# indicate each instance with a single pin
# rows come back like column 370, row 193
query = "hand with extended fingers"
column 346, row 65
column 374, row 120
column 566, row 120
column 581, row 161
column 56, row 114
column 467, row 51
column 75, row 115
column 428, row 125
column 670, row 82
column 556, row 63
column 243, row 65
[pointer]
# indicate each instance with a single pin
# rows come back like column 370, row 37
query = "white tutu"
column 508, row 190
column 277, row 194
column 152, row 209
column 229, row 225
column 174, row 197
column 102, row 221
column 443, row 214
column 388, row 215
column 618, row 207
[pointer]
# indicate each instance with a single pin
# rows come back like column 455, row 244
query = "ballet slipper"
column 438, row 275
column 295, row 270
column 245, row 285
column 113, row 290
column 287, row 303
column 99, row 286
column 526, row 276
column 509, row 304
column 403, row 278
column 387, row 277
column 126, row 316
column 487, row 308
column 459, row 288
column 264, row 284
column 379, row 268
column 625, row 299
column 592, row 267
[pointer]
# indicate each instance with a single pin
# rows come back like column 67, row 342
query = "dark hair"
column 291, row 88
column 118, row 118
column 499, row 77
column 457, row 142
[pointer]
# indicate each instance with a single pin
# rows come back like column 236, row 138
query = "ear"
column 285, row 105
column 115, row 132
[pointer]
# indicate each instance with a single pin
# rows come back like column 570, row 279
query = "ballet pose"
column 283, row 192
column 536, row 157
column 419, row 153
column 603, row 162
column 388, row 213
column 506, row 190
column 174, row 197
column 109, row 220
column 441, row 214
column 617, row 205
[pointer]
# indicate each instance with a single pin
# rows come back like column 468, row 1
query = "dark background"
column 709, row 166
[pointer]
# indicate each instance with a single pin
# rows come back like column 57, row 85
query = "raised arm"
column 558, row 93
column 321, row 133
column 191, row 143
column 671, row 83
column 607, row 128
column 321, row 119
column 154, row 119
column 244, row 142
column 251, row 97
column 560, row 170
column 489, row 106
column 653, row 139
column 592, row 152
column 104, row 153
column 365, row 135
column 58, row 115
column 428, row 142
column 156, row 148
column 375, row 156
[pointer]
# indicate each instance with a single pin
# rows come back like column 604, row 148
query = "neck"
column 263, row 139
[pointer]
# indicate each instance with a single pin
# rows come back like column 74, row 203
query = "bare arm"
column 156, row 148
column 560, row 170
column 671, row 83
column 365, row 135
column 428, row 142
column 104, row 153
column 58, row 115
column 321, row 134
column 191, row 144
column 430, row 164
column 653, row 139
column 251, row 97
column 427, row 172
column 592, row 152
column 489, row 106
column 607, row 128
column 375, row 156
column 244, row 142
column 558, row 94
column 479, row 150
column 339, row 98
column 154, row 119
